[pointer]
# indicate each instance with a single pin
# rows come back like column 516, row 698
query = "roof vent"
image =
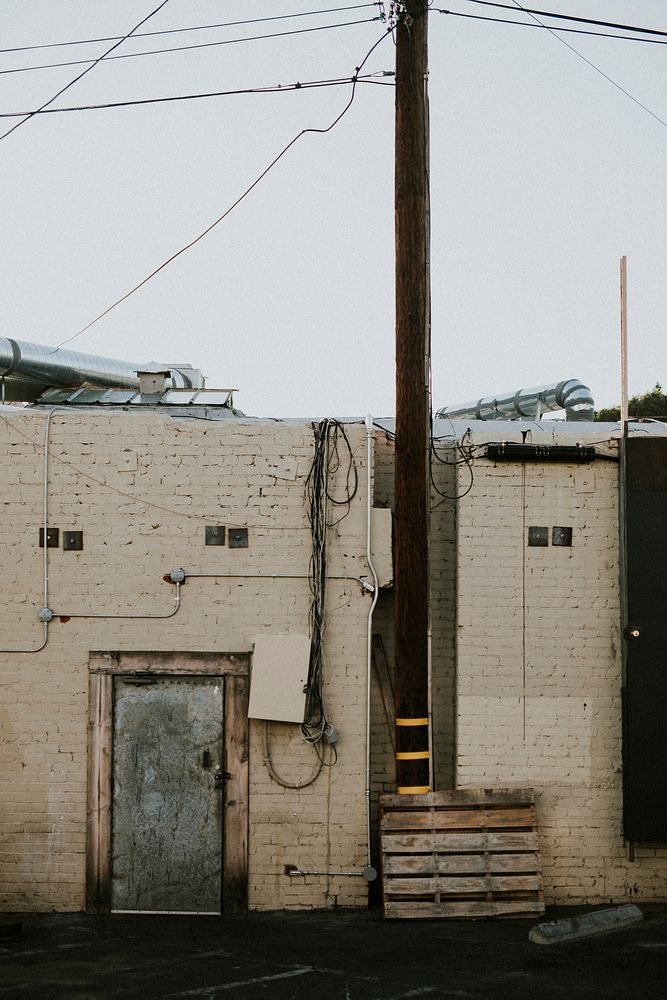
column 154, row 383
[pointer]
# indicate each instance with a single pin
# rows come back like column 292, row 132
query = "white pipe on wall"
column 369, row 636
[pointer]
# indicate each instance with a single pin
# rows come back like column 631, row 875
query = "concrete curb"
column 574, row 928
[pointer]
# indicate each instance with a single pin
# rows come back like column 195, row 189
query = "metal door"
column 166, row 839
column 645, row 701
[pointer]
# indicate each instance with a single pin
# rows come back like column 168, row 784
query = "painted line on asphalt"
column 419, row 992
column 209, row 992
column 423, row 990
column 8, row 953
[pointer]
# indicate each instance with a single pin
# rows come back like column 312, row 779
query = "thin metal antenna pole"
column 624, row 345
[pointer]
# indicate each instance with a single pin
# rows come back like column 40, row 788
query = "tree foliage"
column 649, row 404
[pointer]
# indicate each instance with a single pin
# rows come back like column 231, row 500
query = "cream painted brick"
column 563, row 676
column 140, row 519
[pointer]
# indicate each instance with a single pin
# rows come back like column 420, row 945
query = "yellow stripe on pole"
column 413, row 789
column 412, row 722
column 413, row 755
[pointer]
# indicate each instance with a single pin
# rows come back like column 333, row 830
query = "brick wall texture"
column 538, row 689
column 142, row 487
column 526, row 654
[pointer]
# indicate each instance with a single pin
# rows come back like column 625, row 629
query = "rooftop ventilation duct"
column 27, row 370
column 529, row 404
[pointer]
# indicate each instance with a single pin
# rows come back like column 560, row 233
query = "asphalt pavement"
column 341, row 955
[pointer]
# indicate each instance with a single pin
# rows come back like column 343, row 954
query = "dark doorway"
column 645, row 693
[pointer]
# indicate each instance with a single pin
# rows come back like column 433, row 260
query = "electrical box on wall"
column 279, row 676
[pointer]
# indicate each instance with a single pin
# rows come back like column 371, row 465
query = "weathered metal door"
column 168, row 774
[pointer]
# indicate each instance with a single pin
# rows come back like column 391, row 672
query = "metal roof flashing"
column 210, row 404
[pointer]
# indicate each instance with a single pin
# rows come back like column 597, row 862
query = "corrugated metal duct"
column 570, row 395
column 26, row 370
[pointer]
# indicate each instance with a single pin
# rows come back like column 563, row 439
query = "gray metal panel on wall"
column 167, row 801
column 645, row 695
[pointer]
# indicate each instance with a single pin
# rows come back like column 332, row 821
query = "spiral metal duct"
column 570, row 395
column 27, row 370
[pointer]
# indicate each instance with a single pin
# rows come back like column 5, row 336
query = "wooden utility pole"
column 413, row 320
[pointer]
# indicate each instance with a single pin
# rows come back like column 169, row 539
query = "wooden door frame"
column 103, row 667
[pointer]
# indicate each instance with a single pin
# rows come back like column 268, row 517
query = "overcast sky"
column 543, row 174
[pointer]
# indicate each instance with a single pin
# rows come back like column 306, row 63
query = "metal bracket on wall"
column 72, row 541
column 561, row 536
column 238, row 538
column 52, row 538
column 538, row 536
column 215, row 534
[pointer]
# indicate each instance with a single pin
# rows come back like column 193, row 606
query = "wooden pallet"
column 464, row 853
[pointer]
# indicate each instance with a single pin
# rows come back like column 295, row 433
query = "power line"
column 242, row 196
column 279, row 88
column 195, row 27
column 546, row 27
column 556, row 32
column 596, row 68
column 85, row 71
column 186, row 48
column 570, row 17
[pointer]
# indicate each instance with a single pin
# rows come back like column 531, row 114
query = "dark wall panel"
column 645, row 695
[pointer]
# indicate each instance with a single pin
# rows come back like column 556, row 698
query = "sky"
column 543, row 174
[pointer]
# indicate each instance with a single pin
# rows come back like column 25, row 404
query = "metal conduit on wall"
column 570, row 395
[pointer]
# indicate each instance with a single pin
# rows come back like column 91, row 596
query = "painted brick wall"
column 443, row 606
column 539, row 668
column 142, row 487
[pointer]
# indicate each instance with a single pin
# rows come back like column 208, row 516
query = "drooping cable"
column 268, row 761
column 332, row 456
column 467, row 456
column 242, row 196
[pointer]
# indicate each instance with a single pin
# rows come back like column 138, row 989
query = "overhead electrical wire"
column 189, row 48
column 85, row 71
column 556, row 32
column 570, row 17
column 244, row 194
column 279, row 88
column 193, row 27
column 468, row 455
column 596, row 68
column 546, row 27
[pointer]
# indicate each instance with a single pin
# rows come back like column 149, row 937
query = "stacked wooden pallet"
column 464, row 853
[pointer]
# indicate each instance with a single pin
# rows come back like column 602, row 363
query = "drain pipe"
column 369, row 636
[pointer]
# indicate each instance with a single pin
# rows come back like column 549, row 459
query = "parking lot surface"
column 339, row 955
